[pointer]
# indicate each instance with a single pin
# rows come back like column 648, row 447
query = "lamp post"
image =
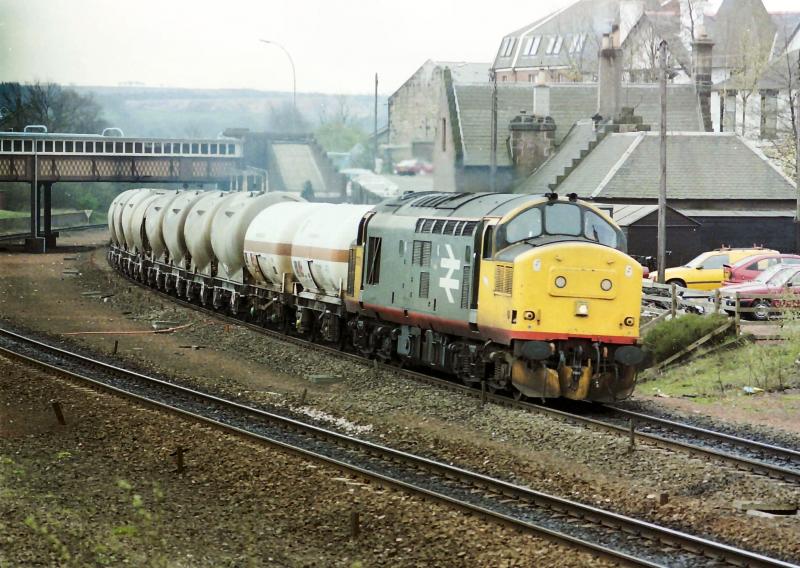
column 294, row 77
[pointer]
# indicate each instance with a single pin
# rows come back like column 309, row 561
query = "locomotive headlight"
column 560, row 282
column 529, row 315
column 606, row 284
column 582, row 309
column 629, row 321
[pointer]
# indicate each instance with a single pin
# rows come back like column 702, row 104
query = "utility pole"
column 797, row 165
column 375, row 130
column 661, row 254
column 493, row 141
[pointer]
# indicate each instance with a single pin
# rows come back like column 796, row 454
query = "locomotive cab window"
column 374, row 260
column 558, row 219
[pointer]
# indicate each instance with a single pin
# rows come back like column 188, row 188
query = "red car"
column 783, row 281
column 749, row 268
column 412, row 167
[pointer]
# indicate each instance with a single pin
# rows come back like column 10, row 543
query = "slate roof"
column 569, row 103
column 626, row 215
column 787, row 25
column 588, row 18
column 474, row 104
column 740, row 28
column 699, row 166
column 579, row 138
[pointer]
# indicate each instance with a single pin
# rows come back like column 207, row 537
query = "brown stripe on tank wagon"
column 285, row 249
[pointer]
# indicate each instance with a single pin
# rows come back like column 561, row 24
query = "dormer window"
column 532, row 45
column 577, row 43
column 551, row 43
column 559, row 43
column 507, row 46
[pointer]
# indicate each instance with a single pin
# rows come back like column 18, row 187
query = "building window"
column 444, row 135
column 507, row 47
column 559, row 43
column 551, row 43
column 530, row 78
column 577, row 43
column 534, row 49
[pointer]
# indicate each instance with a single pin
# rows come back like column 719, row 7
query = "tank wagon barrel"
column 532, row 295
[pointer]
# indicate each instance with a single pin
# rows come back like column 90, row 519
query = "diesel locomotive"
column 529, row 294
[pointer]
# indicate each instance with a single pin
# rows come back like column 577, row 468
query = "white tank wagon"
column 153, row 223
column 126, row 218
column 268, row 242
column 197, row 231
column 321, row 248
column 143, row 209
column 115, row 216
column 230, row 224
column 173, row 224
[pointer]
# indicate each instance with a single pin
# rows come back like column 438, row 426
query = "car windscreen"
column 782, row 276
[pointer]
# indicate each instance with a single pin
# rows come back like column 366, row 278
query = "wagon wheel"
column 761, row 310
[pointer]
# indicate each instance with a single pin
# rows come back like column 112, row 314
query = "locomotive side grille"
column 421, row 253
column 427, row 226
column 351, row 272
column 438, row 226
column 503, row 279
column 424, row 284
column 465, row 282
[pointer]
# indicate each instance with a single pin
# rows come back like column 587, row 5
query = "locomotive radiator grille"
column 503, row 279
column 424, row 284
column 465, row 282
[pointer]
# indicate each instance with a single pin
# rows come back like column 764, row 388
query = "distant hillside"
column 168, row 112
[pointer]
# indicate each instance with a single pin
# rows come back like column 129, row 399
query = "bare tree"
column 60, row 109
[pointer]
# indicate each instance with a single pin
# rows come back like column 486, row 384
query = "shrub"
column 670, row 336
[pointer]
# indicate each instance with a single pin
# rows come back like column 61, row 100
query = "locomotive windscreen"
column 557, row 220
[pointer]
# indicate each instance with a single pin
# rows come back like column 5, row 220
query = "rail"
column 604, row 533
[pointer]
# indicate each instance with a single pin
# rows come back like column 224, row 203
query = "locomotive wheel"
column 517, row 394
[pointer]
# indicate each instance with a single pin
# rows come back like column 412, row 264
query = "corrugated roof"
column 699, row 166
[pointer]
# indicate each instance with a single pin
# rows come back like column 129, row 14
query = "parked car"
column 749, row 268
column 412, row 167
column 704, row 272
column 784, row 281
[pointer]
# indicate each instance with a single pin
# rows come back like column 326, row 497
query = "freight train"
column 529, row 294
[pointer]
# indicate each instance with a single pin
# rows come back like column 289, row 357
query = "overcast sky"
column 337, row 46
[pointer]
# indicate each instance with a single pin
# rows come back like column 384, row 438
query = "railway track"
column 740, row 453
column 605, row 534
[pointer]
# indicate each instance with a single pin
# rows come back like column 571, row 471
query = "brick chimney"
column 609, row 75
column 702, row 49
column 531, row 142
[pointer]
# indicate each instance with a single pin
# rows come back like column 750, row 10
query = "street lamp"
column 294, row 77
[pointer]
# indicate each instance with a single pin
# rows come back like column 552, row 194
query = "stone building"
column 413, row 107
